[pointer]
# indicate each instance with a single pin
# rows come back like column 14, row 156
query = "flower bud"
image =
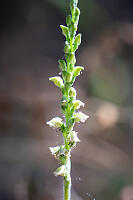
column 78, row 39
column 77, row 70
column 70, row 124
column 67, row 48
column 64, row 103
column 77, row 104
column 57, row 80
column 74, row 2
column 61, row 171
column 75, row 47
column 72, row 93
column 63, row 107
column 68, row 20
column 73, row 30
column 77, row 13
column 64, row 75
column 69, row 77
column 55, row 122
column 80, row 117
column 65, row 31
column 62, row 65
column 63, row 159
column 72, row 59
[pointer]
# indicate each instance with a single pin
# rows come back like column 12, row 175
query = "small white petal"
column 61, row 171
column 54, row 150
column 77, row 104
column 75, row 138
column 80, row 117
column 55, row 122
column 72, row 137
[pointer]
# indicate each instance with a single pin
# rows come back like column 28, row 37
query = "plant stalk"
column 67, row 181
column 69, row 103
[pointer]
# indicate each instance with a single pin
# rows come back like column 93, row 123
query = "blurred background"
column 30, row 45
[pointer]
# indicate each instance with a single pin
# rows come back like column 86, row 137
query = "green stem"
column 67, row 189
column 67, row 181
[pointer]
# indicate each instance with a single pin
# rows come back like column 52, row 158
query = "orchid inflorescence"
column 69, row 103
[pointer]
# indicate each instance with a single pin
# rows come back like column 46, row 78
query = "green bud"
column 64, row 105
column 72, row 6
column 63, row 128
column 65, row 31
column 69, row 77
column 63, row 159
column 77, row 70
column 75, row 47
column 70, row 124
column 77, row 14
column 68, row 20
column 67, row 48
column 64, row 74
column 73, row 30
column 62, row 65
column 78, row 39
column 77, row 104
column 72, row 59
column 63, row 101
column 73, row 3
column 72, row 93
column 57, row 80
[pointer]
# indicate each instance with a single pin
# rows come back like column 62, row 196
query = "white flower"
column 55, row 122
column 61, row 171
column 80, row 117
column 77, row 104
column 72, row 137
column 54, row 150
column 57, row 80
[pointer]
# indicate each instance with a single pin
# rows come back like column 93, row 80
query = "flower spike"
column 69, row 104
